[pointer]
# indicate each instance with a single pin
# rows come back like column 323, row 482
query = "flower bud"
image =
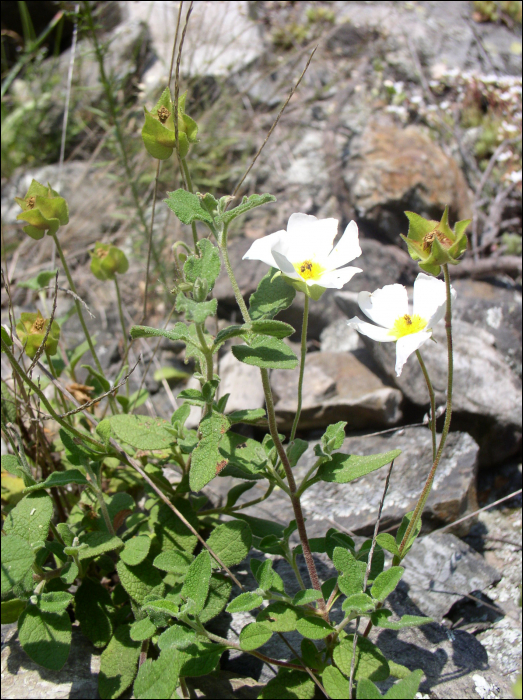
column 107, row 260
column 31, row 330
column 158, row 132
column 43, row 209
column 434, row 243
column 200, row 289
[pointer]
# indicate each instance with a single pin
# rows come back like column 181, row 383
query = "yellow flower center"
column 406, row 325
column 309, row 270
column 38, row 326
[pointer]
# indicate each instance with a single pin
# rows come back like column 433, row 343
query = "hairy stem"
column 448, row 414
column 430, row 388
column 188, row 180
column 302, row 366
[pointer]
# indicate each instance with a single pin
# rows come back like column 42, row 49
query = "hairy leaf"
column 207, row 461
column 93, row 609
column 254, row 635
column 45, row 637
column 30, row 518
column 158, row 678
column 386, row 582
column 370, row 662
column 272, row 296
column 245, row 602
column 118, row 663
column 17, row 559
column 70, row 476
column 335, row 683
column 381, row 619
column 139, row 580
column 142, row 432
column 136, row 550
column 231, row 541
column 345, row 468
column 266, row 352
column 197, row 580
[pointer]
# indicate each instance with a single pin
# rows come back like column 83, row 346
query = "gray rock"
column 441, row 569
column 22, row 678
column 497, row 309
column 391, row 170
column 338, row 386
column 242, row 382
column 486, row 393
column 338, row 337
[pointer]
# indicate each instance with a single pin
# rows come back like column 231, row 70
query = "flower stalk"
column 302, row 366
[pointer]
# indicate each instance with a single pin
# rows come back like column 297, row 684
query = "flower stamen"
column 309, row 270
column 406, row 325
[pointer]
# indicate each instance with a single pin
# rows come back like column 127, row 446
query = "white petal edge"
column 346, row 249
column 407, row 345
column 429, row 299
column 336, row 279
column 284, row 265
column 261, row 249
column 375, row 332
column 385, row 305
column 308, row 238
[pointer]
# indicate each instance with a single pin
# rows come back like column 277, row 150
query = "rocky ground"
column 387, row 119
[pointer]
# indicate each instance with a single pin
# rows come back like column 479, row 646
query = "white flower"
column 389, row 308
column 304, row 252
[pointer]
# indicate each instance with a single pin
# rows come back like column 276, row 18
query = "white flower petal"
column 374, row 332
column 335, row 279
column 346, row 249
column 407, row 345
column 261, row 248
column 429, row 299
column 308, row 238
column 385, row 305
column 284, row 265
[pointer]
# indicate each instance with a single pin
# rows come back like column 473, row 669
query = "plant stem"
column 208, row 362
column 432, row 403
column 302, row 366
column 80, row 315
column 273, row 429
column 448, row 414
column 99, row 497
column 120, row 312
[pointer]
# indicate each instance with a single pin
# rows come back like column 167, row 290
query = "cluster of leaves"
column 162, row 590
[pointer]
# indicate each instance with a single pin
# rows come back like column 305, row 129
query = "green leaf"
column 219, row 594
column 161, row 606
column 248, row 203
column 398, row 670
column 196, row 311
column 98, row 543
column 237, row 491
column 68, row 573
column 93, row 609
column 279, row 616
column 288, row 685
column 118, row 663
column 11, row 464
column 254, row 635
column 187, row 207
column 388, row 542
column 199, row 659
column 351, row 581
column 104, row 383
column 170, row 374
column 246, row 458
column 45, row 637
column 266, row 352
column 231, row 541
column 11, row 610
column 136, row 549
column 275, row 329
column 332, row 439
column 295, row 450
column 177, row 636
column 336, row 685
column 370, row 662
column 249, row 415
column 197, row 580
column 54, row 601
column 307, row 596
column 366, row 690
column 207, row 461
column 143, row 432
column 173, row 561
column 381, row 619
column 17, row 559
column 403, row 529
column 142, row 629
column 158, row 679
column 345, row 468
column 70, row 476
column 245, row 602
column 226, row 334
column 386, row 582
column 139, row 580
column 30, row 518
column 358, row 602
column 313, row 627
column 261, row 527
column 207, row 266
column 172, row 533
column 407, row 688
column 41, row 280
column 272, row 296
